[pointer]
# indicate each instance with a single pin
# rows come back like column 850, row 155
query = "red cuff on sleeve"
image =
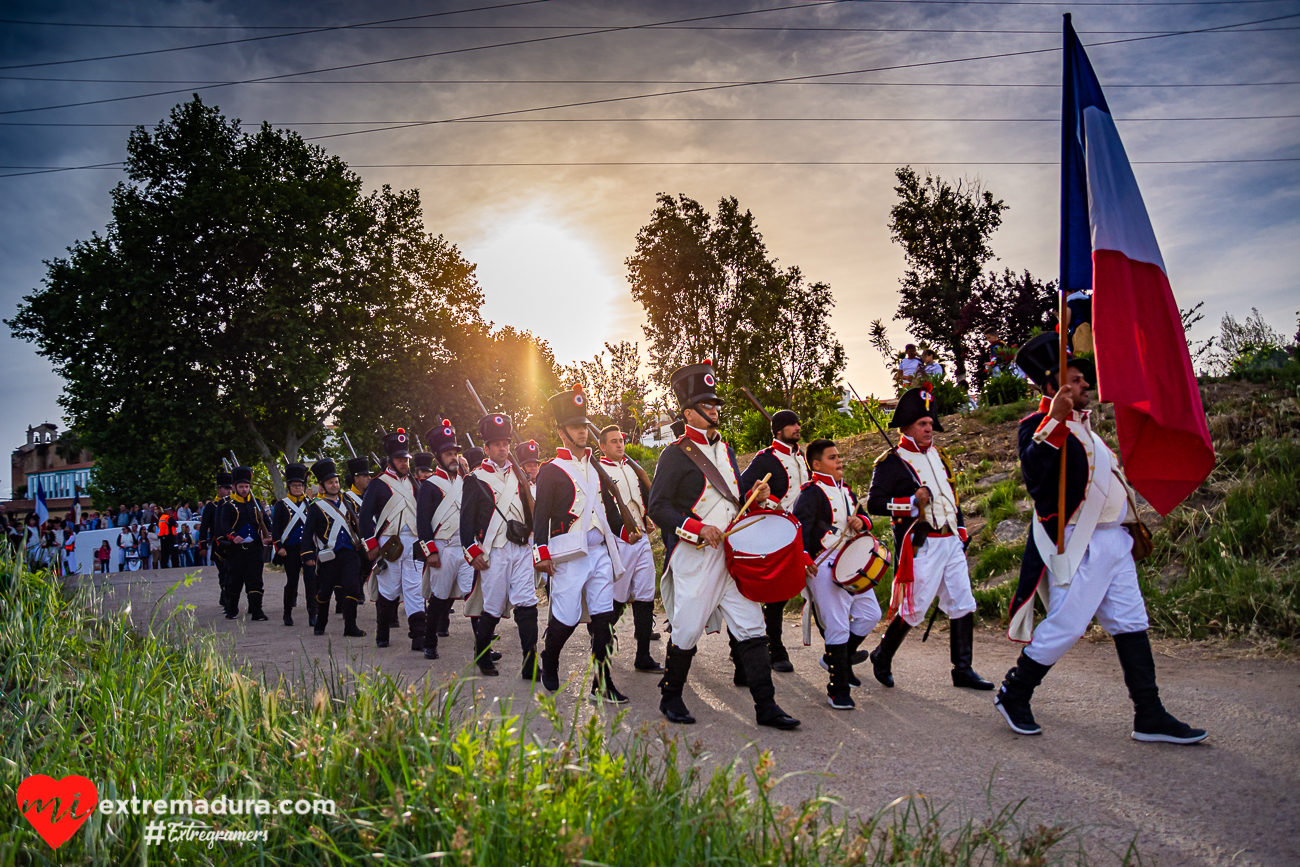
column 691, row 529
column 472, row 551
column 372, row 544
column 961, row 533
column 430, row 548
column 1052, row 432
column 772, row 503
column 540, row 554
column 900, row 504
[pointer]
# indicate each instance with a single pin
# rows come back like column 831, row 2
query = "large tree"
column 617, row 390
column 243, row 283
column 710, row 290
column 944, row 231
column 1014, row 306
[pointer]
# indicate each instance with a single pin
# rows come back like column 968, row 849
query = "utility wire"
column 1055, row 85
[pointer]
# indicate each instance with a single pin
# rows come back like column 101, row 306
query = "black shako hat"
column 324, row 470
column 397, row 444
column 495, row 426
column 570, row 407
column 359, row 466
column 915, row 404
column 243, row 474
column 442, row 437
column 783, row 419
column 694, row 383
column 422, row 461
column 529, row 451
column 473, row 457
column 224, row 479
column 1040, row 359
column 295, row 473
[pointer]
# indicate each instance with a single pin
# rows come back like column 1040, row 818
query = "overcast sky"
column 545, row 236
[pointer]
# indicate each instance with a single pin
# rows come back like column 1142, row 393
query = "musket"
column 470, row 439
column 624, row 512
column 758, row 406
column 348, row 443
column 524, row 492
column 375, row 460
column 419, row 444
column 235, row 459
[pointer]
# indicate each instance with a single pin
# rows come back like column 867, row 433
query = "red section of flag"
column 1143, row 367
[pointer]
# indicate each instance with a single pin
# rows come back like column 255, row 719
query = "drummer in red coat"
column 695, row 495
column 831, row 518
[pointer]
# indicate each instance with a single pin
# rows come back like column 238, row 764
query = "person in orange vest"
column 166, row 540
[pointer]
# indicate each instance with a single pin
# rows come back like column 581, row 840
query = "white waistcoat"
column 629, row 488
column 446, row 518
column 712, row 507
column 929, row 468
column 796, row 470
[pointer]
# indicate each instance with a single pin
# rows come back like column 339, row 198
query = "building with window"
column 56, row 463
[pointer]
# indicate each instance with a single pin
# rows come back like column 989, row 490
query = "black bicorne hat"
column 529, row 451
column 324, row 470
column 397, row 444
column 423, row 461
column 243, row 474
column 783, row 419
column 359, row 466
column 473, row 456
column 295, row 473
column 1040, row 359
column 916, row 404
column 442, row 437
column 570, row 407
column 224, row 479
column 495, row 426
column 694, row 383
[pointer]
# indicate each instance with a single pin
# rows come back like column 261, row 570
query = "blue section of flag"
column 1080, row 89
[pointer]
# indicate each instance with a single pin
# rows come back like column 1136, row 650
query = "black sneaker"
column 608, row 695
column 1167, row 730
column 1017, row 714
column 841, row 702
column 648, row 665
column 260, row 615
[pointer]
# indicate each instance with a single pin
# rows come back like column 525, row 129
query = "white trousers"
column 400, row 579
column 638, row 581
column 1106, row 586
column 940, row 568
column 508, row 578
column 841, row 612
column 591, row 576
column 702, row 586
column 454, row 577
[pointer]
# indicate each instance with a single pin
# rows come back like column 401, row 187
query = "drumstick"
column 753, row 493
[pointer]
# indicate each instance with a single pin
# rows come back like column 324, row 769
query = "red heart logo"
column 54, row 807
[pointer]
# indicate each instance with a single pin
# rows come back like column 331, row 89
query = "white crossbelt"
column 297, row 515
column 337, row 522
column 1062, row 567
column 399, row 511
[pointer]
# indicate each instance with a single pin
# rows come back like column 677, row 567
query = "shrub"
column 1002, row 389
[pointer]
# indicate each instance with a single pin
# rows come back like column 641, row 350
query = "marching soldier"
column 330, row 541
column 438, row 517
column 637, row 584
column 914, row 485
column 388, row 525
column 694, row 497
column 575, row 543
column 1096, row 576
column 830, row 515
column 789, row 474
column 422, row 467
column 495, row 533
column 288, row 519
column 529, row 456
column 354, row 488
column 241, row 530
column 207, row 532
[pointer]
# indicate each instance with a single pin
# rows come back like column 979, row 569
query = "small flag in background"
column 76, row 505
column 1108, row 245
column 42, row 512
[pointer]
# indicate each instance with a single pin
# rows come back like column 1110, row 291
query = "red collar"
column 907, row 444
column 700, row 436
column 442, row 474
column 607, row 462
column 566, row 455
column 778, row 446
column 492, row 468
column 1045, row 404
column 825, row 479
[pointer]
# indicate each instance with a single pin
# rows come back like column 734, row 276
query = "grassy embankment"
column 420, row 774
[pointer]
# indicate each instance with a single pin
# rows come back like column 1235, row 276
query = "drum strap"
column 710, row 470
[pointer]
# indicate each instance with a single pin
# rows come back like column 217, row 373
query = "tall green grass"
column 420, row 773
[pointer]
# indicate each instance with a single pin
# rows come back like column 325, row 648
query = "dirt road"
column 1234, row 799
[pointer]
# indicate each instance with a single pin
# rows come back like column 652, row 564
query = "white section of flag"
column 1115, row 207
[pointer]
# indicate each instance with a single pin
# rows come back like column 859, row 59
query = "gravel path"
column 1234, row 799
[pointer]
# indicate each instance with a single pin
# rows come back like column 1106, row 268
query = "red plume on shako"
column 401, row 435
column 578, row 399
column 446, row 427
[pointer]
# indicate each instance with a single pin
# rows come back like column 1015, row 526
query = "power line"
column 1056, row 85
column 739, row 28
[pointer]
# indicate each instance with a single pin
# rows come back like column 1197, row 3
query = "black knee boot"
column 602, row 642
column 643, row 618
column 526, row 620
column 415, row 629
column 309, row 594
column 443, row 626
column 837, row 691
column 857, row 656
column 758, row 671
column 1013, row 698
column 255, row 607
column 321, row 620
column 738, row 677
column 484, row 632
column 556, row 634
column 882, row 657
column 350, row 628
column 676, row 666
column 1151, row 722
column 961, row 639
column 383, row 621
column 435, row 609
column 774, row 618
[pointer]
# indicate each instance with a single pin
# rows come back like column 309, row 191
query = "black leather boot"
column 856, row 656
column 526, row 620
column 443, row 626
column 602, row 642
column 255, row 607
column 309, row 596
column 1151, row 722
column 484, row 632
column 774, row 618
column 383, row 621
column 758, row 671
column 676, row 666
column 961, row 639
column 1013, row 698
column 435, row 609
column 738, row 677
column 643, row 618
column 882, row 658
column 321, row 620
column 350, row 628
column 556, row 634
column 837, row 691
column 415, row 630
column 473, row 622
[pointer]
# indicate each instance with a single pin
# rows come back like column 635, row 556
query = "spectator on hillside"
column 125, row 542
column 185, row 547
column 908, row 366
column 102, row 553
column 930, row 365
column 123, row 519
column 182, row 511
column 143, row 546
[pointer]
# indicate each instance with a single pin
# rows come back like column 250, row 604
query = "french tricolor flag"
column 1107, row 244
